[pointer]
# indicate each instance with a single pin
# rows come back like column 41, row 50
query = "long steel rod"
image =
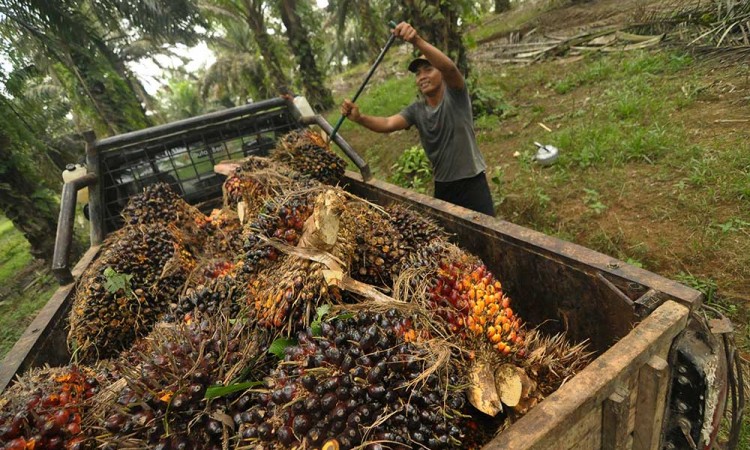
column 380, row 57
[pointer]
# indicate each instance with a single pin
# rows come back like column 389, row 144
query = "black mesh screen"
column 185, row 159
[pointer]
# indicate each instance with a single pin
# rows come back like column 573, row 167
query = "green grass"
column 385, row 98
column 14, row 251
column 493, row 26
column 21, row 302
column 18, row 313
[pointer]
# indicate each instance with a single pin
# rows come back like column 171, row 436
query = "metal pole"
column 388, row 44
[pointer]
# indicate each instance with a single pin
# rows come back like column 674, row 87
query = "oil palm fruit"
column 379, row 248
column 128, row 289
column 307, row 152
column 356, row 384
column 467, row 297
column 415, row 229
column 282, row 219
column 44, row 409
column 165, row 401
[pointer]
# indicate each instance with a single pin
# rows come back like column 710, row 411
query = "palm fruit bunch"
column 284, row 296
column 467, row 296
column 126, row 291
column 357, row 384
column 45, row 407
column 162, row 402
column 237, row 185
column 379, row 249
column 282, row 219
column 549, row 362
column 159, row 204
column 221, row 295
column 287, row 292
column 415, row 229
column 258, row 180
column 308, row 153
column 223, row 233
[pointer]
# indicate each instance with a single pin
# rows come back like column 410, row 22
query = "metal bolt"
column 681, row 406
column 682, row 379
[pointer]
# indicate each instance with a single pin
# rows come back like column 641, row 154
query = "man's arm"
column 373, row 123
column 438, row 59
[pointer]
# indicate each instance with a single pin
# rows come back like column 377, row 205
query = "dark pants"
column 472, row 193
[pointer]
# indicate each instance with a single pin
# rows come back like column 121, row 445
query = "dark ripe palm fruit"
column 128, row 289
column 308, row 153
column 44, row 408
column 379, row 249
column 159, row 204
column 221, row 295
column 167, row 378
column 221, row 234
column 416, row 230
column 328, row 403
column 282, row 219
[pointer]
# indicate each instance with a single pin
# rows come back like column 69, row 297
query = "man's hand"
column 350, row 110
column 406, row 32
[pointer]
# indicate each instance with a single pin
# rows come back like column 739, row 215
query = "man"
column 445, row 123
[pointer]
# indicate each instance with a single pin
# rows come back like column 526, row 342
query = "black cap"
column 417, row 63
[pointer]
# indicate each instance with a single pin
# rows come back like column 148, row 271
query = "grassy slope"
column 650, row 170
column 24, row 286
column 640, row 167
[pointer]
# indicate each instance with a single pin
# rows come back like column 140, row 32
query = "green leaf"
column 116, row 281
column 321, row 312
column 279, row 345
column 344, row 316
column 220, row 391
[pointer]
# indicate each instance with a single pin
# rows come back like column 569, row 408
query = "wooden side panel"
column 542, row 427
column 615, row 419
column 653, row 382
column 586, row 433
column 554, row 284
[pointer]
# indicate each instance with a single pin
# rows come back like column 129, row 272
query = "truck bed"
column 631, row 316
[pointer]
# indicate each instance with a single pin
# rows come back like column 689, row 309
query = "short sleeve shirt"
column 447, row 135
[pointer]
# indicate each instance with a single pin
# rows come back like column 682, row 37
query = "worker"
column 444, row 120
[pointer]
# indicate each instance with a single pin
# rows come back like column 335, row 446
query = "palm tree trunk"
column 502, row 6
column 33, row 215
column 255, row 21
column 313, row 80
column 371, row 28
column 440, row 30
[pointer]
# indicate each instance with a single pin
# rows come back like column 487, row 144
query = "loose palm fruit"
column 354, row 382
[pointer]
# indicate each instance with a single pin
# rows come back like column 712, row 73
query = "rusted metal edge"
column 64, row 236
column 34, row 340
column 568, row 405
column 572, row 255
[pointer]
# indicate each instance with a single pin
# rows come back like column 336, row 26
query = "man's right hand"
column 350, row 110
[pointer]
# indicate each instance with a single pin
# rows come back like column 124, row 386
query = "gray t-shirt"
column 447, row 135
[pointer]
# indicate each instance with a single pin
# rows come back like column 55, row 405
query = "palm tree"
column 23, row 198
column 439, row 22
column 77, row 44
column 313, row 79
column 237, row 76
column 361, row 17
column 253, row 13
